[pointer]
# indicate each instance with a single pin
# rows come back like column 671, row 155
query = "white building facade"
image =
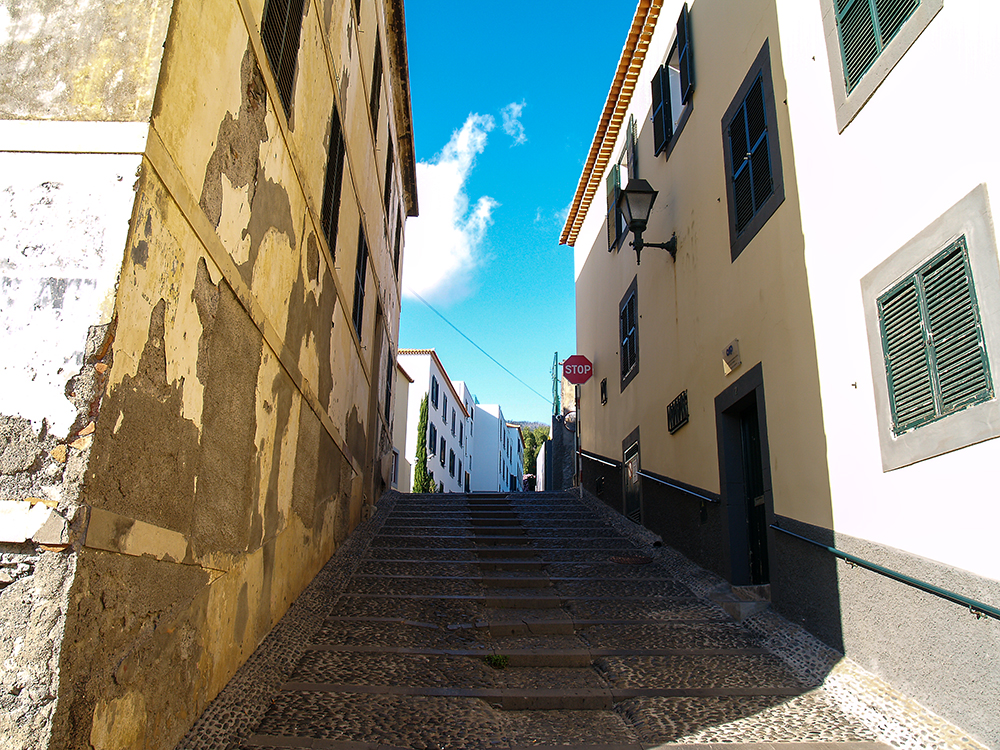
column 500, row 451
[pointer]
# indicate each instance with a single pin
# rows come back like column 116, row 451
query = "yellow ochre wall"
column 692, row 308
column 235, row 446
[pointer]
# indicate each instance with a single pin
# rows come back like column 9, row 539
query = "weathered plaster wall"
column 64, row 222
column 80, row 59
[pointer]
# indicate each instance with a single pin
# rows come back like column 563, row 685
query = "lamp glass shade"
column 635, row 203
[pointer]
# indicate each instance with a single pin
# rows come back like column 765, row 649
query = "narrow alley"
column 508, row 621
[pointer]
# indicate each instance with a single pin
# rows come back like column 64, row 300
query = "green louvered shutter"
column 662, row 117
column 866, row 27
column 932, row 338
column 684, row 54
column 906, row 361
column 955, row 330
column 614, row 188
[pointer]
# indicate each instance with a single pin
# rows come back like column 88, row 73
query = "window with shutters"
column 865, row 28
column 932, row 338
column 434, row 391
column 444, row 447
column 673, row 85
column 933, row 327
column 618, row 175
column 280, row 30
column 628, row 327
column 376, row 93
column 864, row 41
column 432, row 436
column 754, row 183
column 360, row 272
column 387, row 194
column 330, row 210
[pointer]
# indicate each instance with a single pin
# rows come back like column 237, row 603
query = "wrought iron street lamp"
column 635, row 203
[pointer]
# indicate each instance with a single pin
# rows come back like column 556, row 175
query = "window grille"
column 677, row 412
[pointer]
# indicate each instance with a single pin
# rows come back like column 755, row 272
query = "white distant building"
column 502, row 442
column 448, row 420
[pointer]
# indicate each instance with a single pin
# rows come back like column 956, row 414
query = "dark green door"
column 753, row 490
column 633, row 497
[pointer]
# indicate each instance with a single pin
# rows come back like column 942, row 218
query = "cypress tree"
column 421, row 479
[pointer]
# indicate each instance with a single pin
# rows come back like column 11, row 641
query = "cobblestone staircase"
column 503, row 621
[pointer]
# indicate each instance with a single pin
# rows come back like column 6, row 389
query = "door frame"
column 627, row 443
column 747, row 391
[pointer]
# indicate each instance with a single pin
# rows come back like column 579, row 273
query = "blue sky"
column 506, row 98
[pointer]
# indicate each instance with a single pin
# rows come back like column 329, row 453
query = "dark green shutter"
column 906, row 361
column 684, row 54
column 614, row 188
column 663, row 122
column 955, row 331
column 750, row 156
column 932, row 339
column 865, row 28
column 330, row 209
column 281, row 27
column 628, row 337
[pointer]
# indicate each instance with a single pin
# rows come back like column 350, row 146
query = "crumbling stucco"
column 74, row 60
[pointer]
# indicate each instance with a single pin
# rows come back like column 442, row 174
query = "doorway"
column 633, row 484
column 745, row 478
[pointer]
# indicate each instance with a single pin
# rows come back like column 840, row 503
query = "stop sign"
column 577, row 369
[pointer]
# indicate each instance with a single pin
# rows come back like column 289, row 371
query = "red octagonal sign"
column 577, row 369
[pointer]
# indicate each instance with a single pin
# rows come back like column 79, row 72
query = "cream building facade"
column 203, row 210
column 818, row 362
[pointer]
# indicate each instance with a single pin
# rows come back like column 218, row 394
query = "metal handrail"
column 706, row 498
column 979, row 609
column 599, row 460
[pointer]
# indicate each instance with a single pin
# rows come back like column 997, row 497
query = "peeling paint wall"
column 189, row 423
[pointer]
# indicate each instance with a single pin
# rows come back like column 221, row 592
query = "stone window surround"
column 847, row 105
column 970, row 217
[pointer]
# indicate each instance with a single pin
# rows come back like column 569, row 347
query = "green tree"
column 421, row 479
column 534, row 438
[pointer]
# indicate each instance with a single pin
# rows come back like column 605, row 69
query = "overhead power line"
column 430, row 307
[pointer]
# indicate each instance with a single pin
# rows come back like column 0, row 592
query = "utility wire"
column 546, row 399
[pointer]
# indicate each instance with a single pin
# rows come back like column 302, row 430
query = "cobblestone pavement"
column 540, row 620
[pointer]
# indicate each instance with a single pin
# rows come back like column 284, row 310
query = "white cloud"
column 512, row 125
column 442, row 243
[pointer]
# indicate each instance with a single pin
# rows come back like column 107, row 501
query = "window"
column 360, row 271
column 617, row 228
column 673, row 84
column 434, row 391
column 280, row 30
column 864, row 41
column 432, row 437
column 604, row 391
column 865, row 28
column 330, row 210
column 754, row 185
column 376, row 93
column 444, row 409
column 451, row 462
column 460, row 470
column 628, row 327
column 444, row 447
column 395, row 468
column 388, row 390
column 452, row 421
column 933, row 336
column 398, row 242
column 387, row 195
column 461, row 432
